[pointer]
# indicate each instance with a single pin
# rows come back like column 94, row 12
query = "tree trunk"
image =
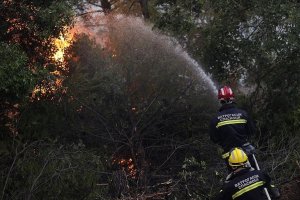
column 141, row 166
column 106, row 6
column 145, row 8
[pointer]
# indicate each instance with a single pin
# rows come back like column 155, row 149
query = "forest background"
column 129, row 119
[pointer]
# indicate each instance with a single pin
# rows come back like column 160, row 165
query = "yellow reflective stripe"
column 225, row 155
column 247, row 189
column 234, row 121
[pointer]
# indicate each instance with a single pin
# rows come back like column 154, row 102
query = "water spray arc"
column 199, row 70
column 160, row 47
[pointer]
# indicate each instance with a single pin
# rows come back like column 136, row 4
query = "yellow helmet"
column 237, row 157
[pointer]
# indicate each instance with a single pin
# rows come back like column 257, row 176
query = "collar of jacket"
column 241, row 172
column 233, row 175
column 227, row 106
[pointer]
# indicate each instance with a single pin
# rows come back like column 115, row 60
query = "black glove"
column 274, row 192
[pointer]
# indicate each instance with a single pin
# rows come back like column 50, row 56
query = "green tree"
column 257, row 43
column 130, row 7
column 254, row 47
column 47, row 169
column 135, row 106
column 26, row 48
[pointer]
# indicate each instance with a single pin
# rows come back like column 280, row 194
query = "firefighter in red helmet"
column 231, row 127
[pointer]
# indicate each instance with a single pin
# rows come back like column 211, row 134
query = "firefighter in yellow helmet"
column 245, row 183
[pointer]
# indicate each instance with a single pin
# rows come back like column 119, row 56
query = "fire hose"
column 257, row 167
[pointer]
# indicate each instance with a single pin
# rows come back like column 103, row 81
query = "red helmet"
column 225, row 94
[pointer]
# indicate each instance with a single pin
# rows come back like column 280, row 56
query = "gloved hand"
column 274, row 192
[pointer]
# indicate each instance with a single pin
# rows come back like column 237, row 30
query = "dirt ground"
column 290, row 190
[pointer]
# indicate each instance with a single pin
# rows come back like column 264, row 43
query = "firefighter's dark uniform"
column 247, row 184
column 231, row 128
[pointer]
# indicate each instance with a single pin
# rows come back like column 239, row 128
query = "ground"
column 290, row 190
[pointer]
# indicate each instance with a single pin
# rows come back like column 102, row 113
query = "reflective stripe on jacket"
column 231, row 127
column 247, row 184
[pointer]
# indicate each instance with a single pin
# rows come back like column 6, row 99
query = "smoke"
column 144, row 85
column 134, row 44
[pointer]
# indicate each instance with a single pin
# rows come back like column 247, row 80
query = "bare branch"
column 89, row 12
column 13, row 163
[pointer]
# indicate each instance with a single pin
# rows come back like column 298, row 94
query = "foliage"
column 127, row 108
column 15, row 77
column 99, row 7
column 254, row 47
column 45, row 169
column 33, row 25
column 138, row 106
column 137, row 102
column 26, row 48
column 258, row 45
column 178, row 17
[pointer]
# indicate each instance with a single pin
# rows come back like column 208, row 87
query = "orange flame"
column 45, row 88
column 62, row 43
column 128, row 165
